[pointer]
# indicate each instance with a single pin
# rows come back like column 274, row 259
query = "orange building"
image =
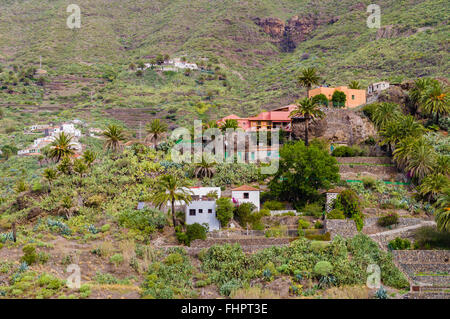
column 354, row 97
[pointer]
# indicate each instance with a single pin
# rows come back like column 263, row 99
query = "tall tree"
column 156, row 129
column 435, row 101
column 61, row 147
column 171, row 188
column 49, row 175
column 422, row 159
column 205, row 167
column 384, row 113
column 113, row 137
column 309, row 110
column 443, row 211
column 229, row 124
column 89, row 158
column 417, row 92
column 308, row 78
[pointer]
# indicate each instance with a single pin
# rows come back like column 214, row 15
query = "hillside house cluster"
column 50, row 133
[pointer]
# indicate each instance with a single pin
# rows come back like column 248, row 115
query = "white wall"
column 205, row 217
column 253, row 197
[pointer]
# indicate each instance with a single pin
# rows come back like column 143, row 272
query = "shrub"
column 431, row 238
column 381, row 293
column 94, row 201
column 195, row 231
column 273, row 205
column 336, row 214
column 318, row 225
column 399, row 244
column 174, row 258
column 228, row 287
column 116, row 259
column 30, row 255
column 368, row 182
column 369, row 110
column 313, row 209
column 85, row 291
column 323, row 268
column 348, row 202
column 303, row 224
column 244, row 214
column 224, row 210
column 388, row 220
column 347, row 151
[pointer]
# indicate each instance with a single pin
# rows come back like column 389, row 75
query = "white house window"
column 200, row 211
column 246, row 195
column 209, row 211
column 192, row 212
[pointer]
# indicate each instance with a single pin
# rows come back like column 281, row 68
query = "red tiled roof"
column 272, row 116
column 245, row 188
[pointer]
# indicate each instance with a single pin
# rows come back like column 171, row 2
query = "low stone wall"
column 377, row 172
column 343, row 227
column 422, row 256
column 367, row 160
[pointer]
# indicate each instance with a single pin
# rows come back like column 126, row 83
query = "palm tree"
column 355, row 85
column 433, row 185
column 395, row 130
column 442, row 165
column 204, row 168
column 89, row 158
column 404, row 150
column 417, row 92
column 384, row 113
column 61, row 147
column 171, row 188
column 114, row 137
column 443, row 211
column 50, row 175
column 308, row 78
column 156, row 129
column 435, row 101
column 229, row 124
column 310, row 111
column 422, row 160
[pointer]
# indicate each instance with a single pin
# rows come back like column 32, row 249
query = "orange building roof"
column 245, row 188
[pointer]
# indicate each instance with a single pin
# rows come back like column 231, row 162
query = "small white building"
column 246, row 194
column 202, row 209
column 377, row 87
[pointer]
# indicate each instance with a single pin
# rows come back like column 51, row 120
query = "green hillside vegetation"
column 248, row 71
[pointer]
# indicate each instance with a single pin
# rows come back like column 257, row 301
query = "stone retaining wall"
column 367, row 160
column 377, row 172
column 371, row 226
column 343, row 227
column 422, row 256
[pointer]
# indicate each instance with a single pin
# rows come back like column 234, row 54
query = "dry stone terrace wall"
column 422, row 256
column 343, row 227
column 371, row 227
column 378, row 172
column 365, row 160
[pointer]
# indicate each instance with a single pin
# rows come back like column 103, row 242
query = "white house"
column 202, row 209
column 246, row 194
column 377, row 87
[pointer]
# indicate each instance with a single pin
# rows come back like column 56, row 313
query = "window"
column 209, row 211
column 192, row 212
column 200, row 211
column 246, row 195
column 353, row 97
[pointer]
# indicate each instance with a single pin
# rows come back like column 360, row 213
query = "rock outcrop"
column 288, row 34
column 338, row 125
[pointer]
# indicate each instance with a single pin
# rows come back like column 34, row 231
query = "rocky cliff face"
column 288, row 34
column 338, row 125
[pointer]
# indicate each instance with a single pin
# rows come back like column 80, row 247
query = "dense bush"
column 430, row 238
column 303, row 224
column 29, row 254
column 323, row 268
column 388, row 220
column 336, row 214
column 224, row 210
column 348, row 202
column 244, row 214
column 313, row 209
column 273, row 205
column 399, row 244
column 195, row 231
column 347, row 151
column 145, row 220
column 368, row 182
